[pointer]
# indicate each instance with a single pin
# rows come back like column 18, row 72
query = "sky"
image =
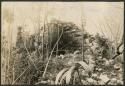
column 105, row 15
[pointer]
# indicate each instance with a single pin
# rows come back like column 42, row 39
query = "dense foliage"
column 67, row 66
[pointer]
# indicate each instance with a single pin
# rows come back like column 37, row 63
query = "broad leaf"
column 69, row 74
column 59, row 75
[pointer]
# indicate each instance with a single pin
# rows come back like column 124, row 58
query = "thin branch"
column 104, row 27
column 20, row 75
column 82, row 22
column 117, row 34
column 101, row 30
column 118, row 51
column 51, row 54
column 119, row 45
column 30, row 57
column 110, row 29
column 57, row 43
column 44, row 25
column 98, row 27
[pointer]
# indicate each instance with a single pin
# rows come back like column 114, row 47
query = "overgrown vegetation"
column 53, row 55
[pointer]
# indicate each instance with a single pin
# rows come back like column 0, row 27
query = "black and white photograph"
column 62, row 43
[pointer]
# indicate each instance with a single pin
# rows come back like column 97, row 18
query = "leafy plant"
column 67, row 73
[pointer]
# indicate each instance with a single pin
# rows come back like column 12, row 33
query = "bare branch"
column 51, row 54
column 20, row 75
column 118, row 50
